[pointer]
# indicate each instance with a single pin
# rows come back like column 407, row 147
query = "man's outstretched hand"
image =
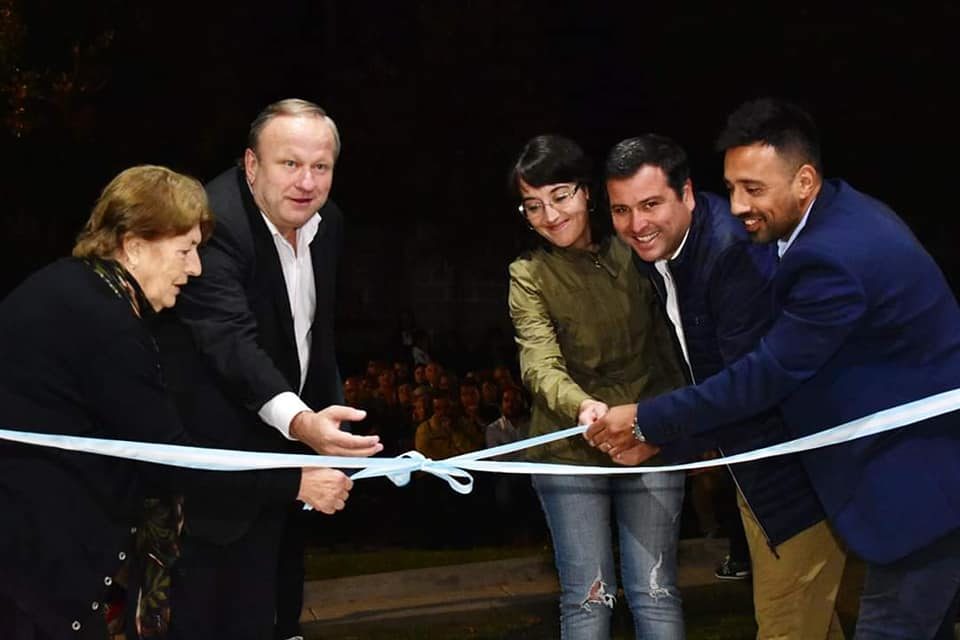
column 321, row 432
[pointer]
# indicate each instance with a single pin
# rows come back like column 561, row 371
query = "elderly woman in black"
column 77, row 358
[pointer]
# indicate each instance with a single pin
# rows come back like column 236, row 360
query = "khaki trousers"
column 794, row 594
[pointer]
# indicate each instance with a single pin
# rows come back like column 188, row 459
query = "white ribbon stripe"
column 454, row 470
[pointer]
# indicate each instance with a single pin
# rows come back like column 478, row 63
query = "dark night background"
column 434, row 99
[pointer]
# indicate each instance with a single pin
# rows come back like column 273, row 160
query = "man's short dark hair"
column 783, row 125
column 628, row 156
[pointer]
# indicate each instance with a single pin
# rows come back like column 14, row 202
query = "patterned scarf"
column 120, row 281
column 145, row 574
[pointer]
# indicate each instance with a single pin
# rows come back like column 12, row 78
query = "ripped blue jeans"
column 579, row 511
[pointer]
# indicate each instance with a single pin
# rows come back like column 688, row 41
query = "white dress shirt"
column 673, row 305
column 297, row 267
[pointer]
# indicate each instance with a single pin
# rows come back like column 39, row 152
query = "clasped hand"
column 611, row 430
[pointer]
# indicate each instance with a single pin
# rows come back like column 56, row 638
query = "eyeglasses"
column 561, row 200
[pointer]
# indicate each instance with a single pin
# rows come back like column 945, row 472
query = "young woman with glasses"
column 590, row 336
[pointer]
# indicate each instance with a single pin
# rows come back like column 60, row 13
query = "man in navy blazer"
column 864, row 320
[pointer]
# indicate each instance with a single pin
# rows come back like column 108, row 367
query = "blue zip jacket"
column 723, row 290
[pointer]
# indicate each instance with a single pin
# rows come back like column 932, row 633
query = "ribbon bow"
column 411, row 461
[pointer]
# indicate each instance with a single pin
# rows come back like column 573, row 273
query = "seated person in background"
column 472, row 401
column 355, row 394
column 472, row 420
column 422, row 407
column 371, row 375
column 431, row 373
column 513, row 424
column 401, row 372
column 420, row 375
column 405, row 397
column 405, row 425
column 512, row 494
column 386, row 390
column 405, row 400
column 448, row 382
column 503, row 377
column 490, row 399
column 444, row 435
column 387, row 412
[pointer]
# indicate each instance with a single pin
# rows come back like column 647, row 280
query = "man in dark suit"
column 257, row 359
column 863, row 321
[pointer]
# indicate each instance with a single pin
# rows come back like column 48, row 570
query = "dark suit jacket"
column 75, row 360
column 864, row 321
column 234, row 348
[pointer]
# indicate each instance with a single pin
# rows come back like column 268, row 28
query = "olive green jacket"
column 587, row 326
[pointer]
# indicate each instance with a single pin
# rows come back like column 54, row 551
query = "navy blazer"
column 864, row 321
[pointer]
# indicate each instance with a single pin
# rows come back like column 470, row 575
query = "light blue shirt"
column 783, row 245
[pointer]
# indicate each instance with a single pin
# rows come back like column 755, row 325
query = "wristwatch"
column 636, row 431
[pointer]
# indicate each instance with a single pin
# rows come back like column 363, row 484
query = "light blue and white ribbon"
column 455, row 470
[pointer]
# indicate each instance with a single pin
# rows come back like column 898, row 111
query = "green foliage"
column 48, row 76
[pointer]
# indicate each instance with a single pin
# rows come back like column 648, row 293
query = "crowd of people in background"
column 435, row 410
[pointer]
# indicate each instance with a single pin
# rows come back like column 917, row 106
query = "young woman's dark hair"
column 552, row 159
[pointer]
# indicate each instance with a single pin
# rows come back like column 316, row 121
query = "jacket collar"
column 828, row 193
column 697, row 220
column 267, row 259
column 821, row 203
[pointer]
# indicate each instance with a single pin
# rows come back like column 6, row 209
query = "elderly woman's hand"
column 321, row 432
column 326, row 490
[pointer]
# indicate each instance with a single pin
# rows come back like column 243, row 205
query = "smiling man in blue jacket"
column 715, row 286
column 863, row 321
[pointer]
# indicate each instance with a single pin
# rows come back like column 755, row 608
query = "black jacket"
column 231, row 346
column 76, row 360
